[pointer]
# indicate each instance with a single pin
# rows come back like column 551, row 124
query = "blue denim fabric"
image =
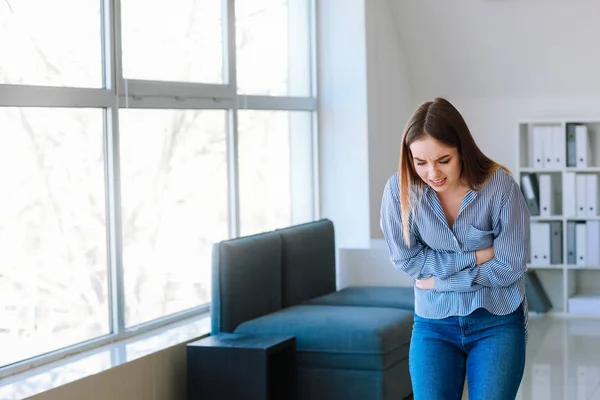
column 488, row 349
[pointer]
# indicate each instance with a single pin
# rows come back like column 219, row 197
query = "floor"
column 563, row 360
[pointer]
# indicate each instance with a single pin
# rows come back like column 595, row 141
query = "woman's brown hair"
column 441, row 121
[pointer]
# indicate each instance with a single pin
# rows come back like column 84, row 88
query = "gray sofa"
column 351, row 344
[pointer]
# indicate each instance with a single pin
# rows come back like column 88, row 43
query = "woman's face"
column 436, row 164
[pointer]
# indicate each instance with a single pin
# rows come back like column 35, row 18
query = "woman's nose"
column 432, row 171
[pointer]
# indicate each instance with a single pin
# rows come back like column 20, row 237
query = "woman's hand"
column 484, row 255
column 426, row 284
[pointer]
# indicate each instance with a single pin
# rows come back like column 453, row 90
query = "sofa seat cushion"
column 369, row 338
column 369, row 296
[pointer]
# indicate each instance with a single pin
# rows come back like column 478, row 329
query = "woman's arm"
column 511, row 251
column 481, row 256
column 417, row 260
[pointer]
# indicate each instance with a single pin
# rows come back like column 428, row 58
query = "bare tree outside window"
column 173, row 175
column 41, row 44
column 53, row 277
column 167, row 40
column 174, row 200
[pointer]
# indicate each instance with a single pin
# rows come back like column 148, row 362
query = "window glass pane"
column 174, row 200
column 53, row 278
column 180, row 41
column 275, row 169
column 43, row 44
column 273, row 47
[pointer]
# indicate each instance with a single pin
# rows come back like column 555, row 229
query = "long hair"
column 441, row 121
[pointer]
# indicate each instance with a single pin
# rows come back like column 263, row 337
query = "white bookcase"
column 573, row 289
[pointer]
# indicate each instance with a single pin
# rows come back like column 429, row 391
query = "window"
column 179, row 41
column 273, row 47
column 35, row 52
column 53, row 278
column 129, row 145
column 174, row 201
column 275, row 167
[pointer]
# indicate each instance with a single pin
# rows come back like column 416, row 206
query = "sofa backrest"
column 256, row 275
column 308, row 261
column 246, row 280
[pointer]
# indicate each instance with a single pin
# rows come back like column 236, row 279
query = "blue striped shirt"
column 495, row 215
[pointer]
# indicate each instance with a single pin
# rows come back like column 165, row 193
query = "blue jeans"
column 489, row 349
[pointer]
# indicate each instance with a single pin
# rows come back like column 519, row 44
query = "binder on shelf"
column 591, row 195
column 548, row 147
column 546, row 195
column 529, row 187
column 571, row 249
column 571, row 146
column 537, row 135
column 540, row 243
column 556, row 254
column 558, row 146
column 581, row 244
column 569, row 206
column 582, row 146
column 536, row 295
column 580, row 196
column 593, row 243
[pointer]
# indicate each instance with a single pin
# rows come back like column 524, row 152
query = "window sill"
column 70, row 369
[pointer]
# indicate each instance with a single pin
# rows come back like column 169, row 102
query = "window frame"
column 119, row 93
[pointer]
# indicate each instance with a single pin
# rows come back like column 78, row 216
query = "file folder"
column 529, row 187
column 571, row 250
column 582, row 145
column 538, row 146
column 580, row 196
column 556, row 247
column 591, row 195
column 593, row 243
column 581, row 244
column 569, row 206
column 571, row 146
column 536, row 295
column 546, row 195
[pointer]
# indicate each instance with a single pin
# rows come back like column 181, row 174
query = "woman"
column 456, row 222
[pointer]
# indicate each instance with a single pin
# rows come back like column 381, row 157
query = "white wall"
column 365, row 98
column 497, row 61
column 501, row 48
column 389, row 101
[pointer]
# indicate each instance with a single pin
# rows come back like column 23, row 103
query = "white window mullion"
column 181, row 90
column 232, row 126
column 49, row 96
column 173, row 102
column 112, row 54
column 277, row 103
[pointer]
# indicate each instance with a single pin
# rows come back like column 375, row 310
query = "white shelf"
column 565, row 267
column 567, row 285
column 582, row 170
column 587, row 267
column 550, row 218
column 548, row 266
column 541, row 170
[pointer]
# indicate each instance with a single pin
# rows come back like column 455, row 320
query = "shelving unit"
column 543, row 149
